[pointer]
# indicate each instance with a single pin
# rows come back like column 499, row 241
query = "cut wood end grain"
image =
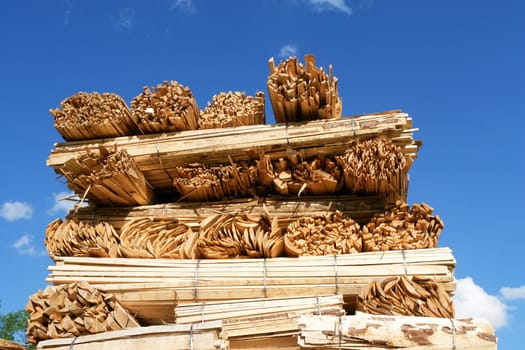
column 233, row 109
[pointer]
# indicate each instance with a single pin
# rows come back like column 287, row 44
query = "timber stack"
column 214, row 230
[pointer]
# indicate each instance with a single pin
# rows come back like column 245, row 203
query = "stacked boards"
column 246, row 235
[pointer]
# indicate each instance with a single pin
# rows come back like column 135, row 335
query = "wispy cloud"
column 184, row 6
column 67, row 14
column 24, row 246
column 510, row 293
column 330, row 5
column 125, row 19
column 471, row 300
column 288, row 50
column 63, row 203
column 12, row 211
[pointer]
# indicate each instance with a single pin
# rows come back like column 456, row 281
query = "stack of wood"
column 74, row 237
column 406, row 296
column 107, row 177
column 92, row 115
column 403, row 227
column 11, row 345
column 370, row 332
column 71, row 310
column 233, row 109
column 240, row 235
column 376, row 166
column 170, row 107
column 302, row 92
column 328, row 234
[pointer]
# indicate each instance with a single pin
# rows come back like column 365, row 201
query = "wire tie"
column 195, row 279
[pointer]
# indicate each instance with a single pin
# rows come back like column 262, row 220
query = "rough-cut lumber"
column 157, row 156
column 147, row 287
column 405, row 296
column 107, row 177
column 170, row 107
column 93, row 116
column 376, row 166
column 72, row 310
column 302, row 92
column 202, row 336
column 233, row 109
column 403, row 227
column 11, row 345
column 327, row 234
column 364, row 331
column 287, row 342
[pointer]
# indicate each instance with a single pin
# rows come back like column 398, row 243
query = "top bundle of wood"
column 302, row 92
column 170, row 107
column 233, row 109
column 93, row 115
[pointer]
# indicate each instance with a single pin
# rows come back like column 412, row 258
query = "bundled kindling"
column 406, row 296
column 92, row 115
column 328, row 234
column 240, row 235
column 376, row 166
column 169, row 107
column 370, row 332
column 72, row 310
column 107, row 177
column 302, row 92
column 233, row 109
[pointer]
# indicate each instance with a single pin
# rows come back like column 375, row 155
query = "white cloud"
column 67, row 14
column 12, row 211
column 334, row 5
column 24, row 246
column 510, row 293
column 288, row 50
column 472, row 301
column 64, row 202
column 125, row 19
column 186, row 6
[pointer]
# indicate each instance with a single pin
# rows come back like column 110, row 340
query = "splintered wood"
column 376, row 166
column 302, row 92
column 327, row 234
column 233, row 109
column 240, row 235
column 170, row 107
column 93, row 115
column 403, row 227
column 406, row 296
column 72, row 310
column 107, row 178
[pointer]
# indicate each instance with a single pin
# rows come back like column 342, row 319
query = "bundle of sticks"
column 328, row 234
column 233, row 109
column 376, row 166
column 302, row 92
column 170, row 107
column 107, row 177
column 406, row 296
column 403, row 227
column 92, row 115
column 71, row 310
column 240, row 235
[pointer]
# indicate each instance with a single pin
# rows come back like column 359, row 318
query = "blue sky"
column 457, row 67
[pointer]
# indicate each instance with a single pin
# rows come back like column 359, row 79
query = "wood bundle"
column 11, row 345
column 202, row 336
column 302, row 92
column 170, row 107
column 158, row 155
column 107, row 178
column 86, row 116
column 200, row 183
column 72, row 310
column 255, row 318
column 156, row 238
column 376, row 166
column 327, row 234
column 148, row 287
column 363, row 331
column 405, row 296
column 240, row 235
column 74, row 237
column 233, row 109
column 403, row 227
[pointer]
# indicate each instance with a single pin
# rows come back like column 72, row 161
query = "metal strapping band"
column 353, row 126
column 72, row 343
column 191, row 336
column 340, row 331
column 265, row 282
column 195, row 279
column 160, row 161
column 453, row 334
column 336, row 275
column 318, row 306
column 404, row 261
column 202, row 312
